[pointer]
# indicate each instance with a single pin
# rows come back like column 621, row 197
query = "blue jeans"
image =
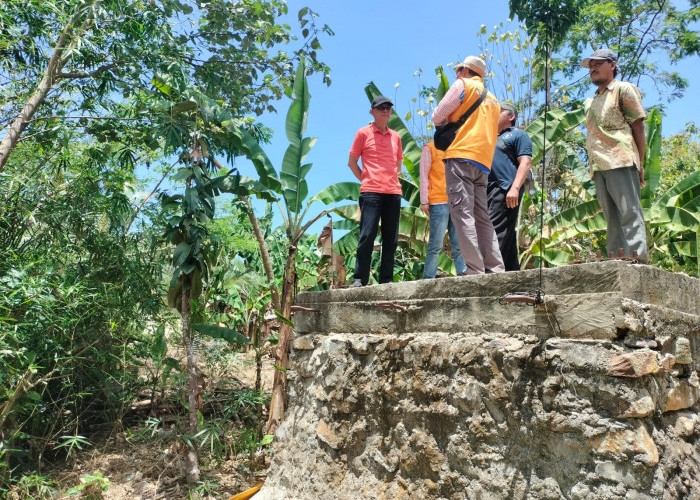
column 439, row 222
column 373, row 208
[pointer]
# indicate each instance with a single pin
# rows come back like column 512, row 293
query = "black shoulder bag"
column 445, row 134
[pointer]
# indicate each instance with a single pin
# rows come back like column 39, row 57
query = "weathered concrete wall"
column 452, row 395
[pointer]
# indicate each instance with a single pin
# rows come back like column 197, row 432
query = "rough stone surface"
column 456, row 396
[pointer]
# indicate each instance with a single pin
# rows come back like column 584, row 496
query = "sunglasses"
column 383, row 107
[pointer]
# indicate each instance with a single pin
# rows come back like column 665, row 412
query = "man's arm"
column 641, row 141
column 513, row 194
column 450, row 101
column 425, row 164
column 355, row 167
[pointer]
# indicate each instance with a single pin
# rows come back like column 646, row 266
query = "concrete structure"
column 437, row 390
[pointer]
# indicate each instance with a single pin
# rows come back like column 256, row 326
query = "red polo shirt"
column 380, row 153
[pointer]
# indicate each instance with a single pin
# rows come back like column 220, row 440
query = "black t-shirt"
column 512, row 143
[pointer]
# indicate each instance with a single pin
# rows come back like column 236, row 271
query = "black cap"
column 379, row 100
column 600, row 55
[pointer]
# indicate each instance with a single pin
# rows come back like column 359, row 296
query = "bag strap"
column 473, row 107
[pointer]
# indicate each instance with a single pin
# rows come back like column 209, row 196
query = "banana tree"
column 292, row 187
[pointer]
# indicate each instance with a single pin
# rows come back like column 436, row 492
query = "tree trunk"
column 193, row 379
column 53, row 68
column 279, row 386
column 265, row 255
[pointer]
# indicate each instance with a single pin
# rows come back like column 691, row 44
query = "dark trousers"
column 505, row 221
column 376, row 207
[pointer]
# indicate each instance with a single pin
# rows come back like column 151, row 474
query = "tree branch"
column 84, row 74
column 150, row 195
column 78, row 117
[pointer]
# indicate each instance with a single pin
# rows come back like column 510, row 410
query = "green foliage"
column 33, row 487
column 78, row 281
column 72, row 443
column 294, row 188
column 90, row 486
column 680, row 157
column 219, row 332
column 75, row 289
column 558, row 123
column 511, row 66
column 550, row 21
column 641, row 33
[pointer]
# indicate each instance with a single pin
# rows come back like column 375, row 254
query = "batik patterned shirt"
column 609, row 113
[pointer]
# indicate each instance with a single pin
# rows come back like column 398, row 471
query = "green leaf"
column 182, row 107
column 558, row 123
column 182, row 251
column 688, row 184
column 284, row 320
column 338, row 192
column 34, row 396
column 220, row 332
column 159, row 346
column 267, row 439
column 410, row 192
column 444, row 85
column 161, row 85
column 652, row 157
column 298, row 110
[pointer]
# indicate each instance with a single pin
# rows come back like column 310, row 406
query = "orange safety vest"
column 437, row 192
column 476, row 139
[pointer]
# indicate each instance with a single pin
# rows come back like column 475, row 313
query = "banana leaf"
column 444, row 85
column 338, row 192
column 410, row 192
column 220, row 332
column 689, row 184
column 347, row 244
column 293, row 176
column 559, row 122
column 652, row 157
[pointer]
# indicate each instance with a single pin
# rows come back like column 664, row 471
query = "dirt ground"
column 140, row 465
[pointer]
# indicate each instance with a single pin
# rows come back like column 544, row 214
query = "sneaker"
column 356, row 284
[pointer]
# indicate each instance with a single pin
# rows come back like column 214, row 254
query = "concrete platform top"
column 594, row 300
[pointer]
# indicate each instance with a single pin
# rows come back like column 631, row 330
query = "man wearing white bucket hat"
column 468, row 163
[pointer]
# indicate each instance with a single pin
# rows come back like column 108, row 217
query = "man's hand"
column 425, row 208
column 512, row 197
column 641, row 178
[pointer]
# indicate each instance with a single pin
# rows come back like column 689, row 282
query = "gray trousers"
column 466, row 194
column 618, row 193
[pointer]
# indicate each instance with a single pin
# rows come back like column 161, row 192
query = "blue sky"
column 386, row 42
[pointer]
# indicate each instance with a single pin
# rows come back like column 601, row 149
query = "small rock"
column 636, row 442
column 682, row 352
column 304, row 343
column 685, row 426
column 641, row 343
column 683, row 394
column 634, row 364
column 639, row 409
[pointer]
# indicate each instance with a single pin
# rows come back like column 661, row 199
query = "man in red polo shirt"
column 380, row 194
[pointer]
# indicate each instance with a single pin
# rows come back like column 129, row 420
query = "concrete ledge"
column 593, row 301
